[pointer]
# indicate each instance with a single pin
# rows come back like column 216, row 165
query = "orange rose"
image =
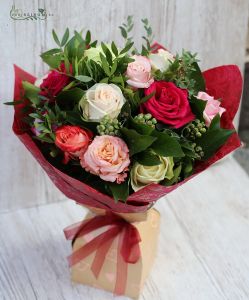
column 72, row 140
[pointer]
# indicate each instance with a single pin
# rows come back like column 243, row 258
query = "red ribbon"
column 128, row 245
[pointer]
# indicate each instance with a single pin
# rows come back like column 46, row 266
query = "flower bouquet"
column 116, row 129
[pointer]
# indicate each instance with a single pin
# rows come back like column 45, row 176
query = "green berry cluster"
column 194, row 130
column 109, row 126
column 198, row 151
column 145, row 119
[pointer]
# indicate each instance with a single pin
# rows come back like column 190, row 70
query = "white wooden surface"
column 202, row 252
column 214, row 29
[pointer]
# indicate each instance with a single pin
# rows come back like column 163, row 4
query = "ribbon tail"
column 122, row 269
column 130, row 249
column 85, row 251
column 103, row 249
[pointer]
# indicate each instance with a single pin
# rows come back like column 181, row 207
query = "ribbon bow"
column 128, row 245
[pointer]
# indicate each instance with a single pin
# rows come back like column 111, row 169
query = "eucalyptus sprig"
column 148, row 38
column 126, row 29
column 184, row 72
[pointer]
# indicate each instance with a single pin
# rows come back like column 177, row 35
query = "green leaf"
column 84, row 78
column 187, row 167
column 88, row 37
column 197, row 107
column 70, row 85
column 93, row 44
column 146, row 98
column 166, row 145
column 177, row 172
column 13, row 102
column 114, row 67
column 212, row 140
column 107, row 53
column 52, row 60
column 70, row 96
column 65, row 37
column 67, row 63
column 135, row 141
column 56, row 38
column 44, row 139
column 215, row 123
column 104, row 80
column 126, row 48
column 114, row 49
column 118, row 79
column 148, row 158
column 105, row 65
column 31, row 92
column 51, row 52
column 34, row 115
column 119, row 191
column 198, row 77
column 74, row 118
column 123, row 32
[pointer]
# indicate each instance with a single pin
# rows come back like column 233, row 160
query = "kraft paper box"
column 137, row 273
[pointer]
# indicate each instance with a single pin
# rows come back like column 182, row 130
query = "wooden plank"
column 202, row 251
column 214, row 29
column 33, row 259
column 213, row 212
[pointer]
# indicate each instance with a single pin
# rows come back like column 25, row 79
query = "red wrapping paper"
column 223, row 82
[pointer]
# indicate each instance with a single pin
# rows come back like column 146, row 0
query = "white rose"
column 101, row 100
column 161, row 60
column 143, row 175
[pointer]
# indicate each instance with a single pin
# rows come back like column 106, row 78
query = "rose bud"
column 107, row 157
column 212, row 107
column 139, row 72
column 169, row 104
column 72, row 140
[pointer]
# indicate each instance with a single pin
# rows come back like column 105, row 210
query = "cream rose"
column 161, row 60
column 101, row 100
column 143, row 175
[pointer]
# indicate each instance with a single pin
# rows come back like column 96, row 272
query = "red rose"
column 54, row 82
column 169, row 105
column 72, row 140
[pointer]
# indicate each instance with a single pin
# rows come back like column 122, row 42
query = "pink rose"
column 107, row 157
column 212, row 107
column 139, row 72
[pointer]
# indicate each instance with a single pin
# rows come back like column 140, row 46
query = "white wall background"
column 216, row 29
